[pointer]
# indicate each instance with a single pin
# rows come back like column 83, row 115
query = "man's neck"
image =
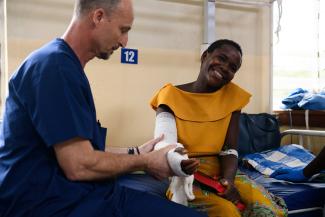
column 78, row 37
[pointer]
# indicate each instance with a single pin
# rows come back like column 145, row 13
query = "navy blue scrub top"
column 49, row 102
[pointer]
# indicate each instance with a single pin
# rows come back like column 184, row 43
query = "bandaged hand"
column 189, row 166
column 175, row 160
column 182, row 189
column 181, row 185
column 292, row 175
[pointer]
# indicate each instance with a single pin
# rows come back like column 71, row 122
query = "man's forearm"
column 81, row 162
column 123, row 150
column 109, row 165
column 116, row 150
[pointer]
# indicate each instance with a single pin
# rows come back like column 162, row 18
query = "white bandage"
column 181, row 185
column 175, row 159
column 182, row 189
column 166, row 124
column 228, row 152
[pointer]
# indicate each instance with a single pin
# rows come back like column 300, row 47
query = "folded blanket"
column 288, row 156
column 304, row 99
column 291, row 101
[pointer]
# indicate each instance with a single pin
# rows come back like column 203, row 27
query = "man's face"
column 112, row 30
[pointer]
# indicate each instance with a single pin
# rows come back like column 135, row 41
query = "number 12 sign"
column 129, row 56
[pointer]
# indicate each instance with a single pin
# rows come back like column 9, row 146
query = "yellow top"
column 202, row 119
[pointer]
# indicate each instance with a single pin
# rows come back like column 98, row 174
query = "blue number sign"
column 129, row 56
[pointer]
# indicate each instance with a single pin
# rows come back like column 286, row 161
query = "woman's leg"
column 258, row 201
column 209, row 202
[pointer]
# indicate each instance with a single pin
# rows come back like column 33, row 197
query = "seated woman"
column 207, row 112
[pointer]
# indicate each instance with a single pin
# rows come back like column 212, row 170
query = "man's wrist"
column 133, row 150
column 144, row 159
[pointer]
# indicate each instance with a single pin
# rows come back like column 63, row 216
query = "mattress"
column 302, row 199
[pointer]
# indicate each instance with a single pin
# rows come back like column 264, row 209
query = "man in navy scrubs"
column 52, row 159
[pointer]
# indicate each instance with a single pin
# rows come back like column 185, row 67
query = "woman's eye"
column 234, row 69
column 222, row 58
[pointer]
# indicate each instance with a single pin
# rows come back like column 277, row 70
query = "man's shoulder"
column 54, row 52
column 51, row 57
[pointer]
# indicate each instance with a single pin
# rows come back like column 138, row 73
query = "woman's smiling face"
column 219, row 67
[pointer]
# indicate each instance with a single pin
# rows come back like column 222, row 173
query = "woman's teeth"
column 217, row 74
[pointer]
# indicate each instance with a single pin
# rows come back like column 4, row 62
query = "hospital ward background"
column 283, row 67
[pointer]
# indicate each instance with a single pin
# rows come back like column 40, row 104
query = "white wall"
column 2, row 51
column 168, row 36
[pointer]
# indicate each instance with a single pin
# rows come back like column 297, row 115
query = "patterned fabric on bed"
column 288, row 156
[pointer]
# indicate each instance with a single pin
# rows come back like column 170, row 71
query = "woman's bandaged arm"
column 166, row 124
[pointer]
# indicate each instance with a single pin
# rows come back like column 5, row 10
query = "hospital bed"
column 302, row 199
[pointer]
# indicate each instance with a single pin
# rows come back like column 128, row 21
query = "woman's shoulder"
column 170, row 97
column 234, row 89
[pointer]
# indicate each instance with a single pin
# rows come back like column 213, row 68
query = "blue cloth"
column 313, row 101
column 293, row 175
column 291, row 101
column 302, row 99
column 49, row 102
column 284, row 157
column 145, row 183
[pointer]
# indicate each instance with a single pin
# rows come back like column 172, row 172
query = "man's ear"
column 98, row 15
column 203, row 56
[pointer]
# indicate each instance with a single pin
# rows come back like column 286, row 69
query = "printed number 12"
column 129, row 56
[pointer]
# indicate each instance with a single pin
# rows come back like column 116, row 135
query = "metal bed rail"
column 301, row 134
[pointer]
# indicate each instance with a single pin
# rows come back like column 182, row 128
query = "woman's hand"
column 231, row 193
column 157, row 164
column 189, row 166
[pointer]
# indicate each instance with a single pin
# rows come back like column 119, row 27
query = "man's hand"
column 157, row 164
column 149, row 146
column 293, row 175
column 231, row 193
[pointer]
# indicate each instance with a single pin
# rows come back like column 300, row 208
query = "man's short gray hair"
column 82, row 7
